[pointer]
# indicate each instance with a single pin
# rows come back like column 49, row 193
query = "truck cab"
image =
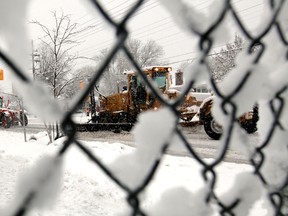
column 140, row 97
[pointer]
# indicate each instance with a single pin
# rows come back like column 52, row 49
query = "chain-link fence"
column 259, row 78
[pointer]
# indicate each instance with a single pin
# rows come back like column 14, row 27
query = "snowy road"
column 201, row 143
column 198, row 139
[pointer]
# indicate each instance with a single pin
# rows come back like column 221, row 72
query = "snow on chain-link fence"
column 260, row 78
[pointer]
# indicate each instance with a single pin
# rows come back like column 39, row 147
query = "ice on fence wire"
column 189, row 18
column 153, row 130
column 245, row 99
column 257, row 81
column 40, row 103
column 197, row 72
column 268, row 14
column 283, row 16
column 275, row 62
column 248, row 189
column 43, row 182
column 275, row 167
column 186, row 16
column 239, row 141
column 180, row 201
column 13, row 31
column 280, row 105
column 280, row 82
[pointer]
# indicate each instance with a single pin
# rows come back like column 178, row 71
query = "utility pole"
column 34, row 60
column 33, row 65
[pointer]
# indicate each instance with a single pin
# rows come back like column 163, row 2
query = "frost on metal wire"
column 39, row 187
column 45, row 107
column 248, row 188
column 265, row 81
column 13, row 31
column 174, row 202
column 152, row 133
column 259, row 78
column 191, row 19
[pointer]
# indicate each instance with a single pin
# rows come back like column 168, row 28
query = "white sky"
column 152, row 22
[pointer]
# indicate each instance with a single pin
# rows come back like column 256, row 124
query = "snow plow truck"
column 119, row 111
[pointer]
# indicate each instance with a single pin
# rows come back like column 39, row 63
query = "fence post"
column 22, row 116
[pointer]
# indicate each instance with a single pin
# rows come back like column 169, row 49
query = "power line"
column 138, row 13
column 154, row 28
column 145, row 32
column 116, row 15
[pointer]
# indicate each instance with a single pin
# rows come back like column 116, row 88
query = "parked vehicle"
column 5, row 118
column 10, row 116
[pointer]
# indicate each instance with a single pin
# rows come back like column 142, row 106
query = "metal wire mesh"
column 206, row 43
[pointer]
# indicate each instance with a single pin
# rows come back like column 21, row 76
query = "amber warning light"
column 162, row 69
column 1, row 74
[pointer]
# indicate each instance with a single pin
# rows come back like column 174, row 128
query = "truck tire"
column 212, row 129
column 251, row 126
column 6, row 122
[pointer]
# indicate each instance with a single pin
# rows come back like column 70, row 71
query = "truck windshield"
column 160, row 80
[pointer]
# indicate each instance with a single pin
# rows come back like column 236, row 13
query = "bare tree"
column 224, row 61
column 81, row 77
column 146, row 54
column 111, row 74
column 150, row 54
column 183, row 66
column 56, row 63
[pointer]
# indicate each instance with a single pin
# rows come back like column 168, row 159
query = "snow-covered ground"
column 79, row 117
column 85, row 190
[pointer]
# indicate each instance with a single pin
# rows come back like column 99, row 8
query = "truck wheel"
column 212, row 128
column 6, row 123
column 251, row 125
column 250, row 128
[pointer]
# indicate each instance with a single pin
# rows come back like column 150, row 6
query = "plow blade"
column 104, row 127
column 119, row 126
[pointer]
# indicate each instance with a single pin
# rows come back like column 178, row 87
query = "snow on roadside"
column 86, row 190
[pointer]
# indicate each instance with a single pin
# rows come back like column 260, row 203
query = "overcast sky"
column 151, row 22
